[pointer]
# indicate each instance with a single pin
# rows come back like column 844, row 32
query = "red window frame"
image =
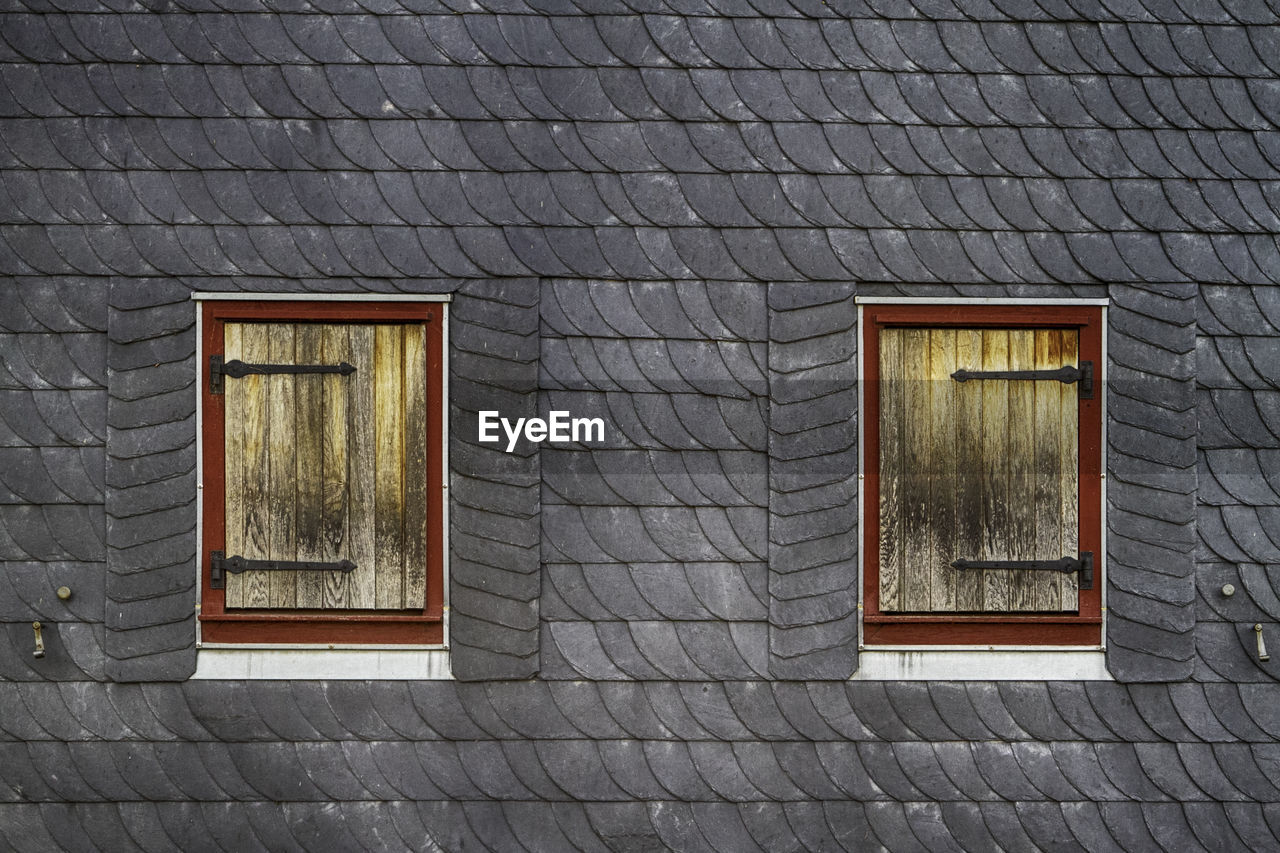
column 1084, row 628
column 304, row 626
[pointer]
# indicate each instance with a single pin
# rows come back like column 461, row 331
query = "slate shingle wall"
column 723, row 766
column 1236, row 373
column 53, row 395
column 1151, row 487
column 654, row 550
column 813, row 464
column 658, row 215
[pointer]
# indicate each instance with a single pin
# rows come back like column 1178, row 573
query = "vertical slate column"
column 150, row 482
column 1151, row 486
column 494, row 577
column 813, row 464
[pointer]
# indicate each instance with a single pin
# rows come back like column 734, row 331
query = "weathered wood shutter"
column 980, row 470
column 327, row 467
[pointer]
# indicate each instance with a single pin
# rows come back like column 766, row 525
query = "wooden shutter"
column 981, row 470
column 328, row 467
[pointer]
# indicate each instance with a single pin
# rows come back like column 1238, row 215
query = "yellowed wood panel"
column 978, row 470
column 994, row 477
column 1048, row 467
column 283, row 507
column 389, row 480
column 362, row 470
column 941, row 525
column 308, row 464
column 917, row 459
column 891, row 473
column 234, row 465
column 328, row 467
column 970, row 586
column 1069, row 447
column 415, row 466
column 247, row 414
column 1022, row 429
column 336, row 587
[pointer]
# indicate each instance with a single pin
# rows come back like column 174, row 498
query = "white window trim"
column 334, row 661
column 311, row 663
column 980, row 662
column 993, row 663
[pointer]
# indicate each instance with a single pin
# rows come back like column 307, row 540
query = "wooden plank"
column 1069, row 447
column 970, row 586
column 916, row 461
column 891, row 473
column 415, row 466
column 1048, row 467
column 336, row 588
column 388, row 410
column 941, row 529
column 234, row 468
column 362, row 468
column 995, row 473
column 1024, row 586
column 282, row 500
column 308, row 461
column 252, row 589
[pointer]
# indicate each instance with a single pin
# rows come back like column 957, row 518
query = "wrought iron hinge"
column 1066, row 375
column 1066, row 565
column 238, row 369
column 220, row 564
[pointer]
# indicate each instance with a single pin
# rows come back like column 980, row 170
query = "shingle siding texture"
column 658, row 215
column 1237, row 389
column 53, row 394
column 1151, row 434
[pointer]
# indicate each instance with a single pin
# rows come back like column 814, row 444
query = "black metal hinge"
column 1066, row 565
column 1066, row 375
column 237, row 369
column 220, row 564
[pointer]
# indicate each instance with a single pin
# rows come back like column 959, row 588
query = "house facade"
column 716, row 230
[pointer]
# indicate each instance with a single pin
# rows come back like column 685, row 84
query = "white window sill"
column 323, row 664
column 984, row 664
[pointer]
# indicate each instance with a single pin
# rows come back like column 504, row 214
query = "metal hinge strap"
column 238, row 369
column 220, row 564
column 1067, row 375
column 1066, row 565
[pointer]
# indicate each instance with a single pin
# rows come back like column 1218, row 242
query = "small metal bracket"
column 215, row 374
column 1067, row 375
column 220, row 564
column 1086, row 380
column 1262, row 646
column 237, row 369
column 1066, row 565
column 39, row 652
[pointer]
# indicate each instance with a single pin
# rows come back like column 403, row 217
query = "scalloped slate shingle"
column 720, row 759
column 494, row 532
column 1151, row 437
column 653, row 558
column 813, row 404
column 1237, row 499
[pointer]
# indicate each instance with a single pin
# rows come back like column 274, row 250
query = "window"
column 322, row 472
column 983, row 482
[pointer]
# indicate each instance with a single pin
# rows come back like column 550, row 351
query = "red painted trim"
column 1082, row 628
column 261, row 627
column 987, row 633
column 425, row 626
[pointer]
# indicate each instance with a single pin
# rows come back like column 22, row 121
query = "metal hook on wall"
column 1262, row 646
